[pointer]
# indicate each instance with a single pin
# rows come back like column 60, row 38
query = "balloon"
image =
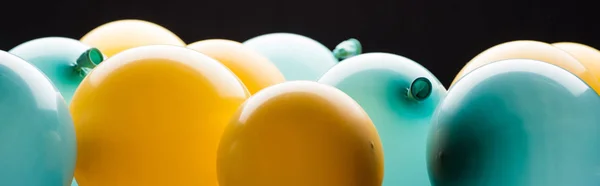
column 517, row 122
column 297, row 57
column 300, row 133
column 74, row 183
column 254, row 70
column 588, row 56
column 65, row 61
column 400, row 97
column 37, row 140
column 153, row 116
column 114, row 37
column 531, row 50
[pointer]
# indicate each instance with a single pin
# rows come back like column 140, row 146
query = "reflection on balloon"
column 299, row 57
column 153, row 116
column 531, row 50
column 65, row 61
column 300, row 133
column 400, row 97
column 517, row 122
column 253, row 69
column 588, row 56
column 114, row 37
column 37, row 140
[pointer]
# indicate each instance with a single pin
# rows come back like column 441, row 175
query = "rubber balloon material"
column 300, row 133
column 517, row 122
column 400, row 97
column 64, row 61
column 297, row 57
column 153, row 116
column 534, row 50
column 117, row 36
column 253, row 69
column 37, row 139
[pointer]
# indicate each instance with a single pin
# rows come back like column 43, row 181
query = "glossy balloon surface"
column 253, row 69
column 300, row 133
column 380, row 83
column 517, row 122
column 37, row 140
column 297, row 57
column 534, row 50
column 114, row 37
column 65, row 61
column 153, row 116
column 588, row 56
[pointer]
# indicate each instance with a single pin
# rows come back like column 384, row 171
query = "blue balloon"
column 400, row 97
column 74, row 183
column 37, row 137
column 297, row 57
column 517, row 122
column 64, row 61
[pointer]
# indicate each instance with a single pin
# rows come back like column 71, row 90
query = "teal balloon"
column 65, row 61
column 37, row 137
column 297, row 57
column 520, row 123
column 400, row 97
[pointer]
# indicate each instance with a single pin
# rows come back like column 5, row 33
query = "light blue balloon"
column 37, row 137
column 400, row 97
column 74, row 183
column 517, row 122
column 64, row 61
column 297, row 57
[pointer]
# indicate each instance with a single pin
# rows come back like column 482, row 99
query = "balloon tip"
column 89, row 59
column 420, row 89
column 347, row 49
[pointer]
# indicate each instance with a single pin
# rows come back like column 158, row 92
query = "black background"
column 441, row 35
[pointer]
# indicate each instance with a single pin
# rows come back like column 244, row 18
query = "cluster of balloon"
column 517, row 122
column 299, row 57
column 175, row 100
column 64, row 61
column 37, row 139
column 254, row 70
column 535, row 50
column 300, row 133
column 400, row 97
column 117, row 36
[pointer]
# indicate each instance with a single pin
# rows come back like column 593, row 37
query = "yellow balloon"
column 254, row 70
column 300, row 133
column 526, row 49
column 114, row 37
column 153, row 116
column 588, row 56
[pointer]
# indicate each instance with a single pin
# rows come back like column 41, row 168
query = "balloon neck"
column 420, row 89
column 347, row 49
column 88, row 60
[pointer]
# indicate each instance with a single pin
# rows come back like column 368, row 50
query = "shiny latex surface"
column 57, row 58
column 153, row 116
column 517, row 122
column 37, row 139
column 297, row 57
column 534, row 50
column 588, row 56
column 253, row 69
column 114, row 37
column 300, row 133
column 379, row 83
